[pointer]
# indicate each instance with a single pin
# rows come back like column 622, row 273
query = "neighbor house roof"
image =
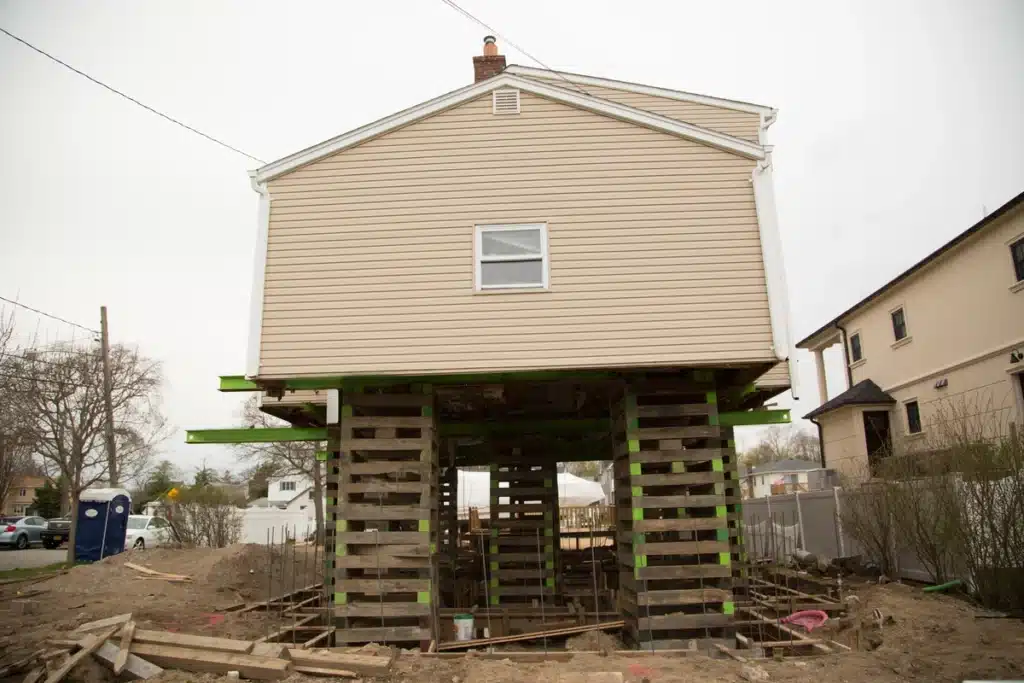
column 862, row 393
column 509, row 79
column 953, row 243
column 788, row 465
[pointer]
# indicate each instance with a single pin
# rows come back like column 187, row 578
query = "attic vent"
column 506, row 101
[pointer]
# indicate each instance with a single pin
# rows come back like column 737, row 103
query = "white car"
column 146, row 532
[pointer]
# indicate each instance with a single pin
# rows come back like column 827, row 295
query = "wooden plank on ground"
column 275, row 650
column 192, row 641
column 104, row 623
column 89, row 644
column 380, row 634
column 35, row 675
column 367, row 665
column 208, row 661
column 328, row 673
column 382, row 609
column 127, row 631
column 152, row 572
column 554, row 633
column 135, row 669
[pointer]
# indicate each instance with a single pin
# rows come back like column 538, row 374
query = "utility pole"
column 108, row 404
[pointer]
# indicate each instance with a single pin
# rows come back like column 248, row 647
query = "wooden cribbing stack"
column 386, row 517
column 673, row 528
column 523, row 547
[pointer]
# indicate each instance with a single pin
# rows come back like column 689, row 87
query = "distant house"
column 945, row 336
column 20, row 496
column 286, row 488
column 781, row 477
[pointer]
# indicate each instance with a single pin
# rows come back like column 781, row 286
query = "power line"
column 44, row 313
column 494, row 31
column 49, row 381
column 130, row 98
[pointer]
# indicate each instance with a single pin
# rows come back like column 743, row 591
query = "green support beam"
column 746, row 418
column 263, row 435
column 237, row 383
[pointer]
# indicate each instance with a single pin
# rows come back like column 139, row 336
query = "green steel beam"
column 264, row 435
column 237, row 383
column 746, row 418
column 512, row 427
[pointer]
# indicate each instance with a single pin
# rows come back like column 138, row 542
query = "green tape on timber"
column 635, row 468
column 494, row 566
column 721, row 511
column 722, row 534
column 550, row 583
column 346, row 410
column 494, row 599
column 340, row 549
column 639, row 560
column 330, row 501
column 634, row 445
column 638, row 514
column 739, row 507
column 681, row 512
column 427, row 411
column 717, row 466
column 636, row 573
column 730, row 443
column 424, row 525
column 550, row 564
column 549, row 532
column 547, row 515
column 633, row 424
column 724, row 559
column 321, row 456
column 713, row 419
column 743, row 557
column 549, row 549
column 433, row 547
column 423, row 597
column 548, row 483
column 728, row 608
column 341, row 598
column 494, row 533
column 493, row 548
column 637, row 491
column 494, row 581
column 638, row 538
column 630, row 401
column 711, row 397
column 341, row 525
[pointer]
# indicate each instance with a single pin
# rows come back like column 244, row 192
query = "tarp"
column 101, row 523
column 475, row 491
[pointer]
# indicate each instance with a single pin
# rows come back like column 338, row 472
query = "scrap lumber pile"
column 147, row 573
column 139, row 654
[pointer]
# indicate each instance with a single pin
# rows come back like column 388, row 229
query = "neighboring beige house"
column 945, row 337
column 21, row 494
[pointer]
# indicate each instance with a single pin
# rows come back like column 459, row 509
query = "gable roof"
column 579, row 79
column 862, row 393
column 953, row 243
column 640, row 117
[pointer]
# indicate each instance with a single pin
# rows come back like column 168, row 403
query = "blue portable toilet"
column 101, row 523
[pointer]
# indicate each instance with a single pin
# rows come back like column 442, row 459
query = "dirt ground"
column 931, row 638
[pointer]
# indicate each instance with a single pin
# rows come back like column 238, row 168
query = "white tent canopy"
column 475, row 491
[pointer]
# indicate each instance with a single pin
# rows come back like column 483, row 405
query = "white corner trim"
column 640, row 117
column 259, row 272
column 774, row 268
column 580, row 79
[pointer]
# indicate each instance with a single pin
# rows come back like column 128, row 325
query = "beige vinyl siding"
column 739, row 124
column 778, row 376
column 655, row 257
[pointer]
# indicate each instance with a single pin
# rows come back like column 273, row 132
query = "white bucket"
column 463, row 627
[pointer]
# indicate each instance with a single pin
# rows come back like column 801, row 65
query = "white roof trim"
column 579, row 79
column 640, row 117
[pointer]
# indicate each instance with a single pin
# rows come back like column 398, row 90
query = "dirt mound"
column 594, row 641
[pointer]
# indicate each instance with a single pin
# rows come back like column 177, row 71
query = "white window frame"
column 287, row 485
column 478, row 257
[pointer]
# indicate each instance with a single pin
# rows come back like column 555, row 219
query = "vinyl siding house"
column 537, row 267
column 942, row 340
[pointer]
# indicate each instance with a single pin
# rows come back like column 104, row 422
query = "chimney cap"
column 490, row 40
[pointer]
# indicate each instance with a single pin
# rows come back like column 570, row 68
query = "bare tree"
column 783, row 443
column 61, row 390
column 289, row 457
column 15, row 441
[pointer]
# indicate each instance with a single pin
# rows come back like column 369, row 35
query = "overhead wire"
column 495, row 32
column 130, row 98
column 44, row 313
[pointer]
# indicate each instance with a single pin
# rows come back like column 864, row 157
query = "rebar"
column 540, row 570
column 487, row 582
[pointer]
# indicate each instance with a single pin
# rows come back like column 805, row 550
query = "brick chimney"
column 490, row 63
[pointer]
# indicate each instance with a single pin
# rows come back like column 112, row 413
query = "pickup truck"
column 56, row 532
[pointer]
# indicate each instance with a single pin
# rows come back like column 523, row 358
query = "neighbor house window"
column 512, row 256
column 855, row 351
column 23, row 493
column 287, row 485
column 899, row 324
column 913, row 417
column 1017, row 250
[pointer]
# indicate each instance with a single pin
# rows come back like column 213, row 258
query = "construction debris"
column 155, row 574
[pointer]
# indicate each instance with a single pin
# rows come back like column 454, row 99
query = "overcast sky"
column 899, row 125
